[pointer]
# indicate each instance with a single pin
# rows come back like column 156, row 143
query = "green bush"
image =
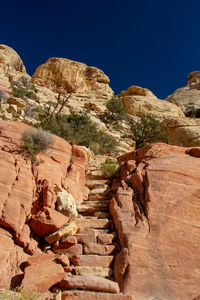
column 110, row 168
column 78, row 129
column 115, row 110
column 23, row 88
column 148, row 130
column 21, row 92
column 33, row 141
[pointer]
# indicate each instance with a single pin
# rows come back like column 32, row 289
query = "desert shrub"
column 110, row 168
column 148, row 130
column 33, row 141
column 115, row 110
column 78, row 129
column 23, row 88
column 192, row 112
column 21, row 295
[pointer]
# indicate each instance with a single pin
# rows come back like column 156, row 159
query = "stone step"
column 95, row 174
column 93, row 248
column 82, row 295
column 93, row 206
column 101, row 191
column 93, row 270
column 95, row 197
column 104, row 261
column 92, row 223
column 102, row 215
column 97, row 183
column 90, row 282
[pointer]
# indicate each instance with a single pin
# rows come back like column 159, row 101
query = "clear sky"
column 150, row 43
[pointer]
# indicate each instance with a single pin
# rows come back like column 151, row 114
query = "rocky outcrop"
column 156, row 214
column 10, row 62
column 139, row 102
column 28, row 197
column 65, row 76
column 188, row 97
column 184, row 131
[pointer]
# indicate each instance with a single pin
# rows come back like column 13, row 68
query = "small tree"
column 148, row 130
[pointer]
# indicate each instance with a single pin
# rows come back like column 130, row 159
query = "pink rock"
column 161, row 235
column 40, row 277
column 40, row 259
column 48, row 221
column 70, row 239
column 90, row 282
column 79, row 156
column 82, row 295
column 92, row 260
column 11, row 257
column 93, row 248
column 105, row 238
column 68, row 249
column 63, row 259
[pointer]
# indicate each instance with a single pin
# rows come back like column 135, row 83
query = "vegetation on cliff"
column 78, row 129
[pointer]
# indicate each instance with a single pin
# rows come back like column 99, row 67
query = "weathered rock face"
column 66, row 76
column 184, row 131
column 156, row 212
column 139, row 101
column 188, row 97
column 28, row 191
column 10, row 60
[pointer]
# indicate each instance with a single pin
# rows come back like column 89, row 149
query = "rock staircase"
column 96, row 245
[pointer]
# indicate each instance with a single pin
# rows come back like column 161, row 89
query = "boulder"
column 62, row 75
column 140, row 102
column 184, row 131
column 69, row 229
column 188, row 97
column 65, row 203
column 48, row 221
column 40, row 277
column 11, row 64
column 160, row 253
column 90, row 282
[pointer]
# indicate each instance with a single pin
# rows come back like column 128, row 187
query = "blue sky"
column 153, row 44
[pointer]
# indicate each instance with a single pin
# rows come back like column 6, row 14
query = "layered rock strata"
column 155, row 210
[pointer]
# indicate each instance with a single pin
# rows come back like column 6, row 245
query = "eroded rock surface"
column 27, row 194
column 156, row 213
column 64, row 76
column 140, row 101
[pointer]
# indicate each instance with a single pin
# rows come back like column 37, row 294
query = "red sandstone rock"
column 21, row 186
column 105, row 238
column 82, row 295
column 68, row 249
column 86, row 235
column 11, row 257
column 90, row 282
column 63, row 259
column 194, row 152
column 41, row 277
column 92, row 248
column 48, row 221
column 92, row 260
column 71, row 239
column 79, row 156
column 162, row 234
column 40, row 259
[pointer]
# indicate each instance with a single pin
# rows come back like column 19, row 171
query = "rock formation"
column 188, row 98
column 65, row 76
column 139, row 101
column 156, row 215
